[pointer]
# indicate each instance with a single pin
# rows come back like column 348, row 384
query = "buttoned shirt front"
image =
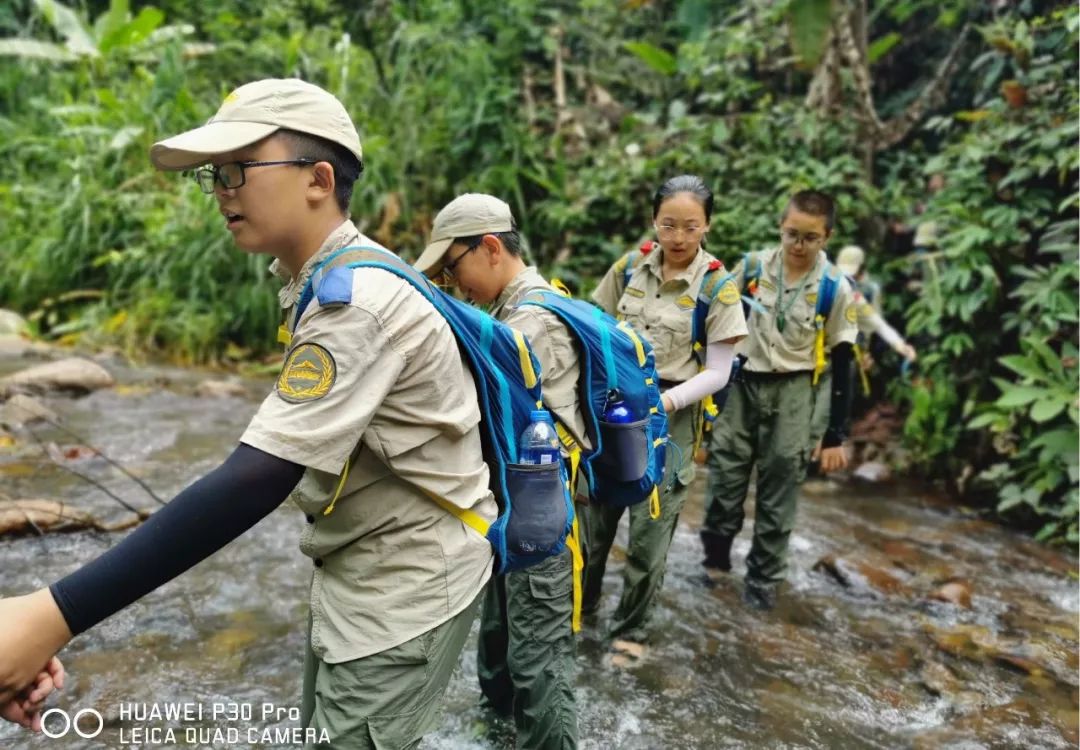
column 379, row 384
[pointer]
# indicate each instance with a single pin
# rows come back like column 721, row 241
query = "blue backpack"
column 626, row 463
column 535, row 509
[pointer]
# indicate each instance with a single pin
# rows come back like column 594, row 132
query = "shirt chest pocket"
column 673, row 330
column 799, row 326
column 632, row 309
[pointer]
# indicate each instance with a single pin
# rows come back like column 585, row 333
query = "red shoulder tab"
column 647, row 247
column 715, row 265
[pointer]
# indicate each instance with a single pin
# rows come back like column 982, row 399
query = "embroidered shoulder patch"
column 729, row 293
column 852, row 313
column 635, row 292
column 686, row 302
column 308, row 374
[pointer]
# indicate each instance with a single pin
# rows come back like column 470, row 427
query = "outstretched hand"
column 834, row 459
column 25, row 708
column 32, row 630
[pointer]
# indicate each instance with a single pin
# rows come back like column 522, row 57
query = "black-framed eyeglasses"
column 448, row 269
column 231, row 176
column 792, row 237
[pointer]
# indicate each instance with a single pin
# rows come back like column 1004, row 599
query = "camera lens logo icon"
column 70, row 723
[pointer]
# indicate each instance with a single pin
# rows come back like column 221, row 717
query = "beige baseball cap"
column 254, row 111
column 467, row 215
column 850, row 259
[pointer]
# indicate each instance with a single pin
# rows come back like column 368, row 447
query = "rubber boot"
column 759, row 596
column 717, row 550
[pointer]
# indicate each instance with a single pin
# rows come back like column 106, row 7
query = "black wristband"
column 840, row 398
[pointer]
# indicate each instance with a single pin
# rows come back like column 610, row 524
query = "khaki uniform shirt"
column 663, row 311
column 926, row 235
column 554, row 346
column 379, row 383
column 767, row 348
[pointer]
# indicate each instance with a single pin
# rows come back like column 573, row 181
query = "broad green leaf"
column 1065, row 442
column 659, row 60
column 1023, row 366
column 109, row 22
column 130, row 34
column 1047, row 409
column 983, row 420
column 809, row 22
column 881, row 46
column 32, row 49
column 69, row 26
column 1052, row 360
column 1020, row 395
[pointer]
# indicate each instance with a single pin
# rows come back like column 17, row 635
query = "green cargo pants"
column 386, row 700
column 766, row 421
column 650, row 539
column 525, row 660
column 819, row 422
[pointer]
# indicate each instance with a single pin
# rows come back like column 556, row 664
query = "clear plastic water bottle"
column 616, row 411
column 539, row 441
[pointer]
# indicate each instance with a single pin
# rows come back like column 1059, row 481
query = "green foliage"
column 575, row 112
column 1000, row 294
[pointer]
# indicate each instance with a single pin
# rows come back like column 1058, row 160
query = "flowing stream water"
column 858, row 653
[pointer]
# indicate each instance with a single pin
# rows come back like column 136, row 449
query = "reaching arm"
column 840, row 398
column 718, row 356
column 197, row 523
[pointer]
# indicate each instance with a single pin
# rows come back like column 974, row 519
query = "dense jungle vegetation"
column 574, row 112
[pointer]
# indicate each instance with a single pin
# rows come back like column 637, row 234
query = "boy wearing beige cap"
column 525, row 661
column 348, row 433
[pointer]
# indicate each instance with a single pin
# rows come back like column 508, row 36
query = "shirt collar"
column 654, row 261
column 526, row 281
column 345, row 235
column 774, row 266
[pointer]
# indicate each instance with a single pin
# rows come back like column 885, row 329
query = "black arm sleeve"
column 194, row 525
column 840, row 401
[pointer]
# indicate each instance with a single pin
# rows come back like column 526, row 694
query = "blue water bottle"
column 539, row 442
column 616, row 411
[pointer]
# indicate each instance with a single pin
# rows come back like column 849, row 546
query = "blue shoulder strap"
column 752, row 267
column 711, row 285
column 830, row 280
column 631, row 259
column 334, row 282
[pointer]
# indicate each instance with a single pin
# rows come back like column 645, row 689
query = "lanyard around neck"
column 783, row 306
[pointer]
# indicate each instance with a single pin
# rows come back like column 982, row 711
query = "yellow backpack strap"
column 526, row 362
column 470, row 518
column 573, row 542
column 561, row 288
column 819, row 348
column 639, row 348
column 654, row 503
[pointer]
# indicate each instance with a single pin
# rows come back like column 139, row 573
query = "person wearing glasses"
column 348, row 432
column 525, row 659
column 659, row 300
column 767, row 420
